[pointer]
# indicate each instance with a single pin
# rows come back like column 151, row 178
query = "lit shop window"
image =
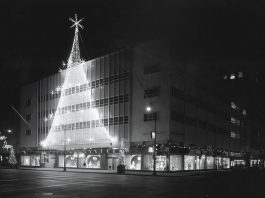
column 244, row 112
column 175, row 162
column 133, row 162
column 189, row 162
column 161, row 163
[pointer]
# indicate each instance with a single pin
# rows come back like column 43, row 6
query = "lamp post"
column 64, row 151
column 153, row 136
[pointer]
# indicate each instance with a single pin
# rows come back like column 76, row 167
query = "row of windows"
column 148, row 93
column 28, row 132
column 93, row 104
column 28, row 117
column 87, row 105
column 178, row 93
column 92, row 124
column 150, row 116
column 197, row 123
column 28, row 102
column 84, row 87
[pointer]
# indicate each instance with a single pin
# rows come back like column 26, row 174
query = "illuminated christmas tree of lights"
column 75, row 111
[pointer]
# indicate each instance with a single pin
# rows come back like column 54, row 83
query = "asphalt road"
column 47, row 184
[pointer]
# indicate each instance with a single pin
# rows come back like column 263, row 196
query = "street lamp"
column 64, row 153
column 153, row 136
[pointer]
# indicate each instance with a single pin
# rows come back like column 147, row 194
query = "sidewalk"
column 132, row 172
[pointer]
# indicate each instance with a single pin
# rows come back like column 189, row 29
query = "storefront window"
column 148, row 162
column 226, row 162
column 71, row 161
column 25, row 160
column 175, row 162
column 30, row 160
column 81, row 160
column 35, row 160
column 202, row 162
column 189, row 162
column 133, row 162
column 92, row 161
column 161, row 163
column 238, row 162
column 209, row 162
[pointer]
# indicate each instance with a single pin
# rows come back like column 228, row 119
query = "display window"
column 209, row 162
column 81, row 160
column 92, row 161
column 71, row 161
column 161, row 163
column 255, row 162
column 189, row 162
column 133, row 162
column 175, row 162
column 35, row 160
column 202, row 162
column 238, row 162
column 25, row 160
column 30, row 160
column 226, row 162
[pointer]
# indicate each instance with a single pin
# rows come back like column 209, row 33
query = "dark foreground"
column 30, row 183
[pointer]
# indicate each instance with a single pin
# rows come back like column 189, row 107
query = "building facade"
column 93, row 115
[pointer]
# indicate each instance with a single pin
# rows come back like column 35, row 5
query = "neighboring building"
column 95, row 110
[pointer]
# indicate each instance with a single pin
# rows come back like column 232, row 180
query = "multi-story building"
column 95, row 114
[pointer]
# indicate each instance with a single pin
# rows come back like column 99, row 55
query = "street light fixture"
column 9, row 130
column 153, row 136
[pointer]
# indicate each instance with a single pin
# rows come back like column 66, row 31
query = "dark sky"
column 35, row 35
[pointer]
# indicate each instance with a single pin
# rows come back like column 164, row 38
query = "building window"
column 234, row 135
column 175, row 92
column 244, row 112
column 235, row 121
column 148, row 93
column 151, row 69
column 150, row 116
column 28, row 132
column 240, row 74
column 234, row 106
column 28, row 102
column 28, row 117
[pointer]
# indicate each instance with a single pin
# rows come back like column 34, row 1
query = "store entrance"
column 113, row 163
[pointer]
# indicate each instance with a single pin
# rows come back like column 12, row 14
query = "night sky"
column 35, row 37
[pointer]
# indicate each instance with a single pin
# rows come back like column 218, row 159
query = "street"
column 31, row 183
